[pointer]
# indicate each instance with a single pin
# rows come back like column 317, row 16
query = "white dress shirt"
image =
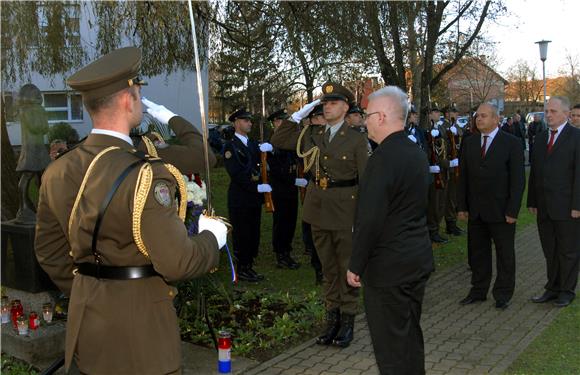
column 242, row 138
column 113, row 133
column 490, row 138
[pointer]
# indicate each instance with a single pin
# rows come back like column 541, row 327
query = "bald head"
column 487, row 118
column 386, row 112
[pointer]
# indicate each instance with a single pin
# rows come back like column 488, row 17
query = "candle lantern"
column 5, row 309
column 22, row 324
column 16, row 310
column 47, row 312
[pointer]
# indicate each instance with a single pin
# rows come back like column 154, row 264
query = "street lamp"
column 543, row 55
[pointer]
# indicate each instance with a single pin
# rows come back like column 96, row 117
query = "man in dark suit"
column 554, row 196
column 245, row 193
column 489, row 194
column 391, row 247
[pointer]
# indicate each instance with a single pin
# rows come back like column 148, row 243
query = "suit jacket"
column 554, row 184
column 243, row 166
column 117, row 326
column 391, row 243
column 187, row 155
column 344, row 158
column 492, row 187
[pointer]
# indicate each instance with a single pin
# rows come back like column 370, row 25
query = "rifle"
column 439, row 184
column 453, row 149
column 264, row 161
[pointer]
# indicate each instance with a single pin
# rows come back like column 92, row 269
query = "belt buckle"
column 323, row 183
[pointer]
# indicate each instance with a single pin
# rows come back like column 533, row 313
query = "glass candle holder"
column 22, row 323
column 47, row 312
column 16, row 310
column 5, row 310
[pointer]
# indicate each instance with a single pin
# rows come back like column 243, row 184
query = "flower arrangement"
column 196, row 197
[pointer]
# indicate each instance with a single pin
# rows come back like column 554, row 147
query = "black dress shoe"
column 546, row 297
column 258, row 276
column 470, row 299
column 332, row 327
column 244, row 274
column 454, row 230
column 285, row 261
column 501, row 304
column 436, row 238
column 563, row 300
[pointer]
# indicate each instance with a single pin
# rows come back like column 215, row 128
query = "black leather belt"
column 116, row 273
column 326, row 183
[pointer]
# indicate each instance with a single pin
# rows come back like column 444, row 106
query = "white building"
column 177, row 91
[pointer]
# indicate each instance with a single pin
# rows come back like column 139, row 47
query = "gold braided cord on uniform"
column 182, row 190
column 142, row 187
column 83, row 184
column 157, row 136
column 151, row 150
column 311, row 156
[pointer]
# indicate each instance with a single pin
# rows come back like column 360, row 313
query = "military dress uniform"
column 330, row 205
column 242, row 163
column 453, row 148
column 282, row 177
column 372, row 145
column 436, row 207
column 110, row 234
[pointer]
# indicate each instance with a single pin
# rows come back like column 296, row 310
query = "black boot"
column 246, row 273
column 346, row 332
column 332, row 327
column 284, row 260
column 453, row 229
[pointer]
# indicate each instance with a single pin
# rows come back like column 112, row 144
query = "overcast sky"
column 533, row 20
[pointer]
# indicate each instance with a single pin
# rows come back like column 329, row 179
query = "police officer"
column 284, row 181
column 454, row 134
column 438, row 165
column 110, row 233
column 414, row 131
column 355, row 118
column 187, row 154
column 245, row 193
column 337, row 155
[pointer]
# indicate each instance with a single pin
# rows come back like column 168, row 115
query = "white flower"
column 195, row 194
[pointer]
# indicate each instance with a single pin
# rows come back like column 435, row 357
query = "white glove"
column 158, row 111
column 412, row 138
column 216, row 227
column 434, row 169
column 453, row 130
column 434, row 133
column 301, row 182
column 264, row 188
column 453, row 163
column 303, row 112
column 440, row 122
column 266, row 147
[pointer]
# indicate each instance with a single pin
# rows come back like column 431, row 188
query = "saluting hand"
column 353, row 279
column 158, row 111
column 304, row 111
column 510, row 220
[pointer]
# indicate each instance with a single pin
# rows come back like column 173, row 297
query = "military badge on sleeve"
column 228, row 154
column 162, row 194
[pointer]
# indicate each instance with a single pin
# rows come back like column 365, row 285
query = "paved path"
column 475, row 339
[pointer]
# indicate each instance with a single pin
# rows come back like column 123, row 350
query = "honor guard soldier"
column 414, row 132
column 110, row 233
column 187, row 154
column 245, row 193
column 438, row 166
column 454, row 134
column 337, row 156
column 355, row 118
column 285, row 183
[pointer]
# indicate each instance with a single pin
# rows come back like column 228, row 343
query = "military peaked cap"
column 334, row 91
column 356, row 109
column 317, row 111
column 280, row 114
column 109, row 74
column 412, row 109
column 240, row 113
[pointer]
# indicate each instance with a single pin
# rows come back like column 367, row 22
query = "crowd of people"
column 375, row 187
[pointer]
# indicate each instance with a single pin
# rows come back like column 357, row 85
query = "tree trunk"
column 9, row 174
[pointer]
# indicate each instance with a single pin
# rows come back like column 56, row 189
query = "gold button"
column 343, row 157
column 325, row 157
column 320, row 132
column 342, row 133
column 70, row 253
column 352, row 196
column 171, row 293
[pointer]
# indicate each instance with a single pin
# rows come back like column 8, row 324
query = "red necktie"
column 551, row 142
column 485, row 137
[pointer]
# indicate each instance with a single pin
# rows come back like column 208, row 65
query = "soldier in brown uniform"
column 339, row 155
column 110, row 233
column 185, row 155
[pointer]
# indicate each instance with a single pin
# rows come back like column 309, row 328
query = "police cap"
column 356, row 109
column 281, row 114
column 240, row 113
column 334, row 91
column 412, row 109
column 109, row 74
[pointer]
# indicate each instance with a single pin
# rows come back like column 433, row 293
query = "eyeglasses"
column 366, row 117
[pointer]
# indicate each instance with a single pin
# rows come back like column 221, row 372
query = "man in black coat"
column 554, row 196
column 535, row 128
column 491, row 185
column 245, row 193
column 391, row 247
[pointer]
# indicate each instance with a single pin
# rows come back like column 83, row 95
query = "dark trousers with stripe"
column 246, row 233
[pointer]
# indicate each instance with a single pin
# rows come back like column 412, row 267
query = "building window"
column 63, row 106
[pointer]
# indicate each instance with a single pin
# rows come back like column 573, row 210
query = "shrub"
column 63, row 130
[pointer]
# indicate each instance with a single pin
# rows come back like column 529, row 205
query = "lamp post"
column 543, row 55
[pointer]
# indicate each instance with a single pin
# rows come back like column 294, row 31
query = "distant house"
column 528, row 96
column 472, row 82
column 177, row 91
